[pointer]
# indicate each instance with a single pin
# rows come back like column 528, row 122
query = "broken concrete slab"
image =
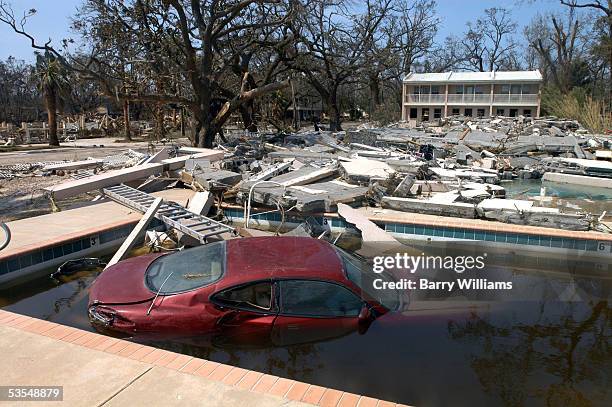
column 455, row 209
column 406, row 166
column 362, row 169
column 302, row 176
column 295, row 153
column 404, row 187
column 201, row 202
column 196, row 152
column 499, row 204
column 448, row 174
column 161, row 155
column 313, row 198
column 375, row 241
column 74, row 165
column 209, row 178
column 271, row 171
column 543, row 217
column 98, row 181
column 582, row 180
column 119, row 176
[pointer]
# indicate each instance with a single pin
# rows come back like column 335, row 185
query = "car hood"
column 123, row 283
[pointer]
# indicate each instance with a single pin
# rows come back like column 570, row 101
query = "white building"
column 430, row 96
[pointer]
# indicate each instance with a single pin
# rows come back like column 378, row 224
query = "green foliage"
column 51, row 73
column 577, row 105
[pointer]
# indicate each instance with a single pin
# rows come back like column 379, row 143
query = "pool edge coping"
column 226, row 374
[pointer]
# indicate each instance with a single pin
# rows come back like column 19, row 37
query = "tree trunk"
column 246, row 111
column 374, row 94
column 334, row 114
column 51, row 102
column 126, row 120
column 206, row 141
column 160, row 130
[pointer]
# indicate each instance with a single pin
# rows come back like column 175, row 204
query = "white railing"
column 470, row 98
column 531, row 99
column 427, row 98
column 506, row 98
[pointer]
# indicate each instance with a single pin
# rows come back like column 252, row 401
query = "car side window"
column 257, row 297
column 318, row 299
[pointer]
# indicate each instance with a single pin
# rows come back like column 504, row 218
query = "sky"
column 52, row 19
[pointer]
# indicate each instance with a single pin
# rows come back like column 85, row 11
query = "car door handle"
column 293, row 327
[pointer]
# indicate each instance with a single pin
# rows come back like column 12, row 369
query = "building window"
column 505, row 89
column 425, row 114
column 435, row 90
column 459, row 89
column 478, row 90
column 468, row 112
column 500, row 112
column 437, row 113
column 527, row 112
column 413, row 112
column 513, row 112
column 515, row 89
column 480, row 113
column 455, row 111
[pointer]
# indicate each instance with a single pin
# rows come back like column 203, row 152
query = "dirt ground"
column 23, row 197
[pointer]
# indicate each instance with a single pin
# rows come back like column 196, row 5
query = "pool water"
column 548, row 342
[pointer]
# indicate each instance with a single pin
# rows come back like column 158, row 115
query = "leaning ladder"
column 172, row 214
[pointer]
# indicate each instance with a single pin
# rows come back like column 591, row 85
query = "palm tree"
column 53, row 82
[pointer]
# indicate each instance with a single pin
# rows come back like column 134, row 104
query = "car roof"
column 259, row 258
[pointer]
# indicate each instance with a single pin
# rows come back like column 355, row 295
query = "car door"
column 249, row 313
column 313, row 310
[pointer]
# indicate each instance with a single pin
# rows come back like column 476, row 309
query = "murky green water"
column 568, row 198
column 549, row 342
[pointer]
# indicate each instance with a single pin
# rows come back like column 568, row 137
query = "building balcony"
column 472, row 99
column 512, row 99
column 425, row 98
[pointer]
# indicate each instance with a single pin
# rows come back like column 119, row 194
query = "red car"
column 283, row 289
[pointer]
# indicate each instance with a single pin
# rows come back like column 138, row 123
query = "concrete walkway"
column 97, row 370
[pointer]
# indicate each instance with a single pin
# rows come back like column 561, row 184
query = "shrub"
column 577, row 105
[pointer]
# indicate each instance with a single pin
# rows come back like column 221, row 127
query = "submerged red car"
column 283, row 289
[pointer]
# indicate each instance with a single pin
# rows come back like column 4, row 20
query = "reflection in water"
column 559, row 355
column 547, row 342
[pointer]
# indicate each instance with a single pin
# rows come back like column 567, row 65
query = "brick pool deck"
column 100, row 370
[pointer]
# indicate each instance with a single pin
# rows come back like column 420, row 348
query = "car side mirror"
column 365, row 319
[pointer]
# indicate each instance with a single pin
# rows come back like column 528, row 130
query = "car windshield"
column 187, row 270
column 360, row 272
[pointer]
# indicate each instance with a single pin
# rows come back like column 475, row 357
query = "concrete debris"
column 455, row 166
column 374, row 240
column 362, row 170
column 201, row 202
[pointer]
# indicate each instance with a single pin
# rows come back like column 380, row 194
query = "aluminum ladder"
column 172, row 214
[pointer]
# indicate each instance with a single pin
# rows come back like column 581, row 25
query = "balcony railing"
column 424, row 98
column 506, row 98
column 472, row 98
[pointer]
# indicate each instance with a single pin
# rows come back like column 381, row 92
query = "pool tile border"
column 229, row 375
column 423, row 220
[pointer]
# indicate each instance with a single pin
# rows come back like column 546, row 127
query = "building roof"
column 462, row 77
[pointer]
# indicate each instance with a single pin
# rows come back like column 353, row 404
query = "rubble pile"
column 125, row 159
column 450, row 168
column 455, row 167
